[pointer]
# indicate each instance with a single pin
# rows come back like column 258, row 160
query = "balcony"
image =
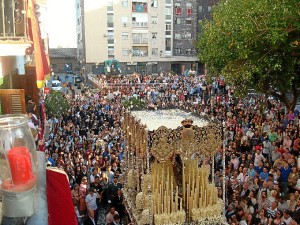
column 140, row 53
column 139, row 7
column 140, row 41
column 13, row 33
column 139, row 24
column 12, row 20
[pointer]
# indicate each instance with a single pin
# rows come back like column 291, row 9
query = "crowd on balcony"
column 261, row 144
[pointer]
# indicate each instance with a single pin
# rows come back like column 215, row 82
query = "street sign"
column 46, row 90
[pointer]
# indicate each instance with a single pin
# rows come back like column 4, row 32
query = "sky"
column 61, row 23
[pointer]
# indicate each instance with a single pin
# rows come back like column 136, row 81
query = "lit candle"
column 183, row 182
column 188, row 194
column 165, row 203
column 169, row 204
column 205, row 198
column 20, row 166
column 176, row 200
column 172, row 208
column 180, row 204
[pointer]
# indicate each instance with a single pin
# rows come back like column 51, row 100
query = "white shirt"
column 287, row 221
column 91, row 201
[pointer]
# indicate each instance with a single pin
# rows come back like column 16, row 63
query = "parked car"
column 56, row 85
column 77, row 80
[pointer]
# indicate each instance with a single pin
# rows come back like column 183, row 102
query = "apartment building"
column 146, row 36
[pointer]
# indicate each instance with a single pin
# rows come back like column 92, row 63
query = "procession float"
column 164, row 181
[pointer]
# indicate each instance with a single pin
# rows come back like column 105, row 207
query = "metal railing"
column 140, row 54
column 12, row 19
column 139, row 40
column 139, row 24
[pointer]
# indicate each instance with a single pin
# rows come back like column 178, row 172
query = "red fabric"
column 43, row 117
column 40, row 58
column 41, row 137
column 178, row 11
column 189, row 11
column 60, row 205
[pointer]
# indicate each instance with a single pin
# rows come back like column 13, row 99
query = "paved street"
column 64, row 78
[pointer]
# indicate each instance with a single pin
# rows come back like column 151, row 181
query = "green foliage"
column 134, row 103
column 56, row 104
column 252, row 44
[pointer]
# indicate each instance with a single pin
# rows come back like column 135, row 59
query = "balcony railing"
column 140, row 40
column 140, row 54
column 12, row 19
column 139, row 24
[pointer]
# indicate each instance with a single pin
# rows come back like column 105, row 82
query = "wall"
column 60, row 64
column 95, row 19
column 7, row 66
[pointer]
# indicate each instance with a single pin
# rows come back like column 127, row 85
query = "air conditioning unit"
column 104, row 35
column 124, row 24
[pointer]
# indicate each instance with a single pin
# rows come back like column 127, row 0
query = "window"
column 110, row 8
column 168, row 28
column 200, row 8
column 188, row 35
column 154, row 35
column 110, row 20
column 188, row 51
column 168, row 14
column 154, row 68
column 154, row 3
column 177, row 20
column 168, row 1
column 125, row 52
column 168, row 44
column 125, row 35
column 178, row 51
column 110, row 51
column 140, row 38
column 110, row 35
column 177, row 36
column 188, row 21
column 177, row 9
column 154, row 51
column 125, row 3
column 154, row 19
column 188, row 9
column 124, row 21
column 208, row 8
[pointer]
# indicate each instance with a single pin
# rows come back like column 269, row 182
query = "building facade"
column 64, row 60
column 146, row 36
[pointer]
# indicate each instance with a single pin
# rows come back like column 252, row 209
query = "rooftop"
column 63, row 52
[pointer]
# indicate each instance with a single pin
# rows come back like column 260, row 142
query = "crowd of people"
column 261, row 145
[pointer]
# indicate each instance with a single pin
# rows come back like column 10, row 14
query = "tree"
column 134, row 103
column 255, row 44
column 56, row 104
